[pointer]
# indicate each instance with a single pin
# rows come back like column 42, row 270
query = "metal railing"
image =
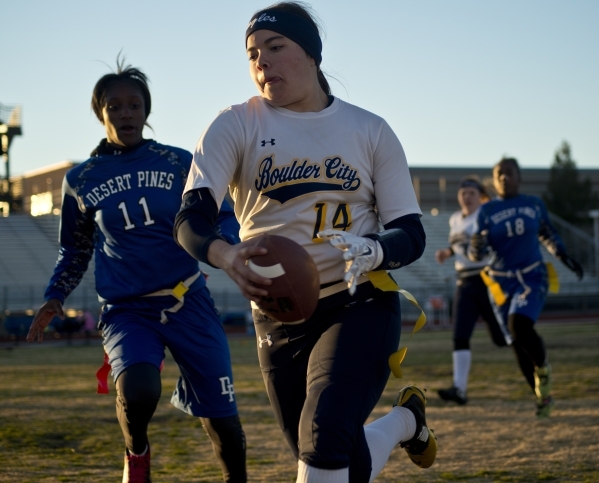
column 580, row 245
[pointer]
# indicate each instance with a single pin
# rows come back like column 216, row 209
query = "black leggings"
column 528, row 346
column 138, row 391
column 471, row 301
column 325, row 376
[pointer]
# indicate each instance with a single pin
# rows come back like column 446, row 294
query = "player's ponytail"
column 324, row 83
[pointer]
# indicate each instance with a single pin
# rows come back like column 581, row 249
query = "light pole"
column 8, row 130
column 594, row 214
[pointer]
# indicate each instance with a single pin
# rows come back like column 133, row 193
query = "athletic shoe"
column 543, row 383
column 453, row 394
column 545, row 407
column 137, row 468
column 422, row 448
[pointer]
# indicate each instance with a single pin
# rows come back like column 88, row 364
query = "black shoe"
column 453, row 394
column 422, row 448
column 545, row 407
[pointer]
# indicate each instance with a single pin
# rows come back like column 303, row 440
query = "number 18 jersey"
column 514, row 227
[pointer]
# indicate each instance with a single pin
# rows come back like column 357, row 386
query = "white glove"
column 361, row 254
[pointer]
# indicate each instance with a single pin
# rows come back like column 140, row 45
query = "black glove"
column 572, row 265
column 478, row 248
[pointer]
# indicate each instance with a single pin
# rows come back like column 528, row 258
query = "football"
column 293, row 294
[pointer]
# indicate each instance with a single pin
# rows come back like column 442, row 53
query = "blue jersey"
column 513, row 228
column 121, row 207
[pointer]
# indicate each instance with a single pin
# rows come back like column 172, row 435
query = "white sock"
column 309, row 474
column 386, row 433
column 461, row 368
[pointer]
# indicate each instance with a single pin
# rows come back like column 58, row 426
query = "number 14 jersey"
column 294, row 174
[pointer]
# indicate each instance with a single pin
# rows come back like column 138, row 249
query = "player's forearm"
column 216, row 254
column 478, row 247
column 403, row 242
column 194, row 228
column 549, row 237
column 77, row 248
column 196, row 242
column 227, row 225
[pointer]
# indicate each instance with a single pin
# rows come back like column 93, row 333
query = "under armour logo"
column 271, row 142
column 267, row 340
column 227, row 387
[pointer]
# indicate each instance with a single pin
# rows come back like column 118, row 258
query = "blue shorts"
column 526, row 298
column 133, row 334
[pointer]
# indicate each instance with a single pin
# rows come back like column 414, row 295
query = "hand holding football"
column 293, row 294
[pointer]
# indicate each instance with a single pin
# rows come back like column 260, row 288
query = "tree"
column 566, row 196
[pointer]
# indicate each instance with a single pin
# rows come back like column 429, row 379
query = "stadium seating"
column 29, row 247
column 28, row 253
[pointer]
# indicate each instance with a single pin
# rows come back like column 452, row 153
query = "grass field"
column 51, row 434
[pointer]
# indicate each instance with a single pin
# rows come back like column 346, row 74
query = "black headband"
column 294, row 27
column 470, row 183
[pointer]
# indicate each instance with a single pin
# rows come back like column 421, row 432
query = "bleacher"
column 28, row 253
column 432, row 283
column 427, row 270
column 29, row 248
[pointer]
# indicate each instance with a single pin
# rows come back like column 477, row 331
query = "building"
column 40, row 191
column 436, row 187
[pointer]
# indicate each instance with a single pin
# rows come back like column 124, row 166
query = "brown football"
column 293, row 294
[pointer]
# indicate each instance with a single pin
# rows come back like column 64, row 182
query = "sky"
column 461, row 82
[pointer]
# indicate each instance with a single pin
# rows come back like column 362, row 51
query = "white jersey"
column 461, row 229
column 294, row 174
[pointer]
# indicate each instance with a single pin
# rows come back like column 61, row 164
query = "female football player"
column 303, row 164
column 470, row 299
column 120, row 206
column 511, row 226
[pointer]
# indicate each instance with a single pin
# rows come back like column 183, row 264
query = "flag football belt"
column 328, row 290
column 383, row 281
column 468, row 273
column 496, row 291
column 339, row 287
column 178, row 292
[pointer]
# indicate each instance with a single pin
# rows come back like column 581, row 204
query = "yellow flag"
column 383, row 281
column 494, row 288
column 553, row 278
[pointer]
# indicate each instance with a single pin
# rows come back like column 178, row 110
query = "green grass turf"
column 54, row 428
